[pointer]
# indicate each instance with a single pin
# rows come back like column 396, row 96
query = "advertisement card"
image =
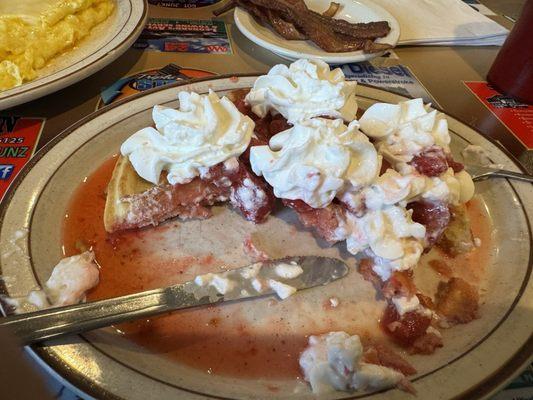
column 18, row 139
column 516, row 116
column 185, row 36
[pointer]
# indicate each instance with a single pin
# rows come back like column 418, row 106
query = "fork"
column 481, row 173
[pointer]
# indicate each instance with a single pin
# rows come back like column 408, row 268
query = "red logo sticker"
column 18, row 139
column 516, row 116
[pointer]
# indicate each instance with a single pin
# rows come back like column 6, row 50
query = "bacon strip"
column 292, row 20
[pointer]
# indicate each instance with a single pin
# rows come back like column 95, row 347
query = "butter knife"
column 259, row 279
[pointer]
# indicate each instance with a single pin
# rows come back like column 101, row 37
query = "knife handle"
column 55, row 322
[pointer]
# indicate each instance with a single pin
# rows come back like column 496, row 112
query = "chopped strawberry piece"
column 367, row 271
column 243, row 107
column 408, row 330
column 262, row 130
column 426, row 344
column 405, row 329
column 430, row 162
column 298, row 205
column 253, row 251
column 251, row 194
column 324, row 220
column 399, row 284
column 238, row 98
column 385, row 165
column 262, row 135
column 441, row 267
column 456, row 166
column 425, row 301
column 265, row 127
column 278, row 124
column 435, row 216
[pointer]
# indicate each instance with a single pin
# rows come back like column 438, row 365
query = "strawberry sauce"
column 231, row 339
column 214, row 338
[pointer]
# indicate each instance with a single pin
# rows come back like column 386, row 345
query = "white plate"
column 477, row 358
column 350, row 10
column 104, row 44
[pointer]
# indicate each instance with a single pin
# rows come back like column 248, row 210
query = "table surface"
column 441, row 70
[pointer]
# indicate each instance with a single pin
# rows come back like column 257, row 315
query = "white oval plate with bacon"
column 360, row 11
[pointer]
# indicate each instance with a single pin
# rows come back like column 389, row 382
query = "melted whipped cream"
column 477, row 155
column 71, row 278
column 449, row 187
column 403, row 130
column 305, row 89
column 406, row 305
column 315, row 160
column 333, row 361
column 395, row 188
column 204, row 131
column 384, row 230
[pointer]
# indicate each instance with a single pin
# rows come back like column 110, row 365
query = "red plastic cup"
column 512, row 71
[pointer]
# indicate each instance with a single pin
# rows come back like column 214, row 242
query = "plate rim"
column 334, row 58
column 482, row 390
column 62, row 81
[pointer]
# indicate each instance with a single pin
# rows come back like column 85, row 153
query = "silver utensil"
column 482, row 173
column 236, row 284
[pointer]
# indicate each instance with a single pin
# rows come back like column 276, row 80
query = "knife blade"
column 281, row 276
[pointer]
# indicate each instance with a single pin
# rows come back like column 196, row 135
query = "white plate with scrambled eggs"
column 46, row 45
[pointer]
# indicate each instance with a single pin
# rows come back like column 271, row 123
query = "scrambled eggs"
column 32, row 32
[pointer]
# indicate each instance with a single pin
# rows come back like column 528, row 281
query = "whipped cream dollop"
column 403, row 130
column 204, row 131
column 333, row 361
column 305, row 89
column 315, row 160
column 387, row 235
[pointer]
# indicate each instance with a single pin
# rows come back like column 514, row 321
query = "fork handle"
column 501, row 173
